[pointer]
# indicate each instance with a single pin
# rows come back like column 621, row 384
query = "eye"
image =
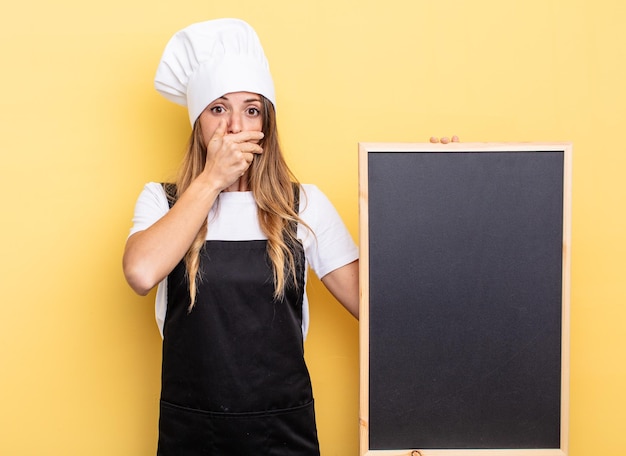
column 218, row 109
column 253, row 111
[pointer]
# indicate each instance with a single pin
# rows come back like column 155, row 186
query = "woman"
column 228, row 246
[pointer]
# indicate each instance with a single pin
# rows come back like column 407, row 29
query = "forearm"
column 151, row 254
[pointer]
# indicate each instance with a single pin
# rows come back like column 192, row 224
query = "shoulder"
column 154, row 190
column 153, row 196
column 151, row 205
column 312, row 198
column 316, row 210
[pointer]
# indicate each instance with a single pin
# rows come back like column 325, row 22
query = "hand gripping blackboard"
column 465, row 260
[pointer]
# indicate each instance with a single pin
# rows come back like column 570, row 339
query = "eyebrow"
column 247, row 100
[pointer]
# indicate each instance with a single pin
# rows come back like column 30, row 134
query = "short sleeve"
column 330, row 246
column 151, row 206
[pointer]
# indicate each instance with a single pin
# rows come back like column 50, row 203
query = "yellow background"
column 81, row 131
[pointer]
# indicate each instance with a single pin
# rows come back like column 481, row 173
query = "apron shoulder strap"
column 296, row 196
column 293, row 225
column 170, row 192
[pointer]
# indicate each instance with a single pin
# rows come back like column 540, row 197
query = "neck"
column 240, row 185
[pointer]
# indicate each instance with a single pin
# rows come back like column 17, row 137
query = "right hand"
column 229, row 155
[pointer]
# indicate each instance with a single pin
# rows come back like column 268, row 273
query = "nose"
column 234, row 123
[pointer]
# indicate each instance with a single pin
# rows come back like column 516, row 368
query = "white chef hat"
column 207, row 60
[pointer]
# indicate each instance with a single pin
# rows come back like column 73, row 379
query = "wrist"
column 203, row 190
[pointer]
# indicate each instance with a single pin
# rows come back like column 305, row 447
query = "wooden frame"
column 365, row 150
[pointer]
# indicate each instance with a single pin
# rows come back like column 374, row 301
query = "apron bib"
column 234, row 380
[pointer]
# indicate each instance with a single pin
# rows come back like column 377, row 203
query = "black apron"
column 234, row 380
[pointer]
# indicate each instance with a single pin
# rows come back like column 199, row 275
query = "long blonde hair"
column 271, row 182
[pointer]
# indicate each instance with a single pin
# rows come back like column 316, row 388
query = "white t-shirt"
column 234, row 218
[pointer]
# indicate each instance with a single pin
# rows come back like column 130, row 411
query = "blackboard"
column 464, row 298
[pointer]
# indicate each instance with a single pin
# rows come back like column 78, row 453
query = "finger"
column 444, row 140
column 455, row 138
column 220, row 131
column 248, row 157
column 247, row 136
column 434, row 139
column 218, row 136
column 249, row 147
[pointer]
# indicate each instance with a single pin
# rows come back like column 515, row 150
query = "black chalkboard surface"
column 465, row 302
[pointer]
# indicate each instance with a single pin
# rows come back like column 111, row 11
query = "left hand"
column 444, row 140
